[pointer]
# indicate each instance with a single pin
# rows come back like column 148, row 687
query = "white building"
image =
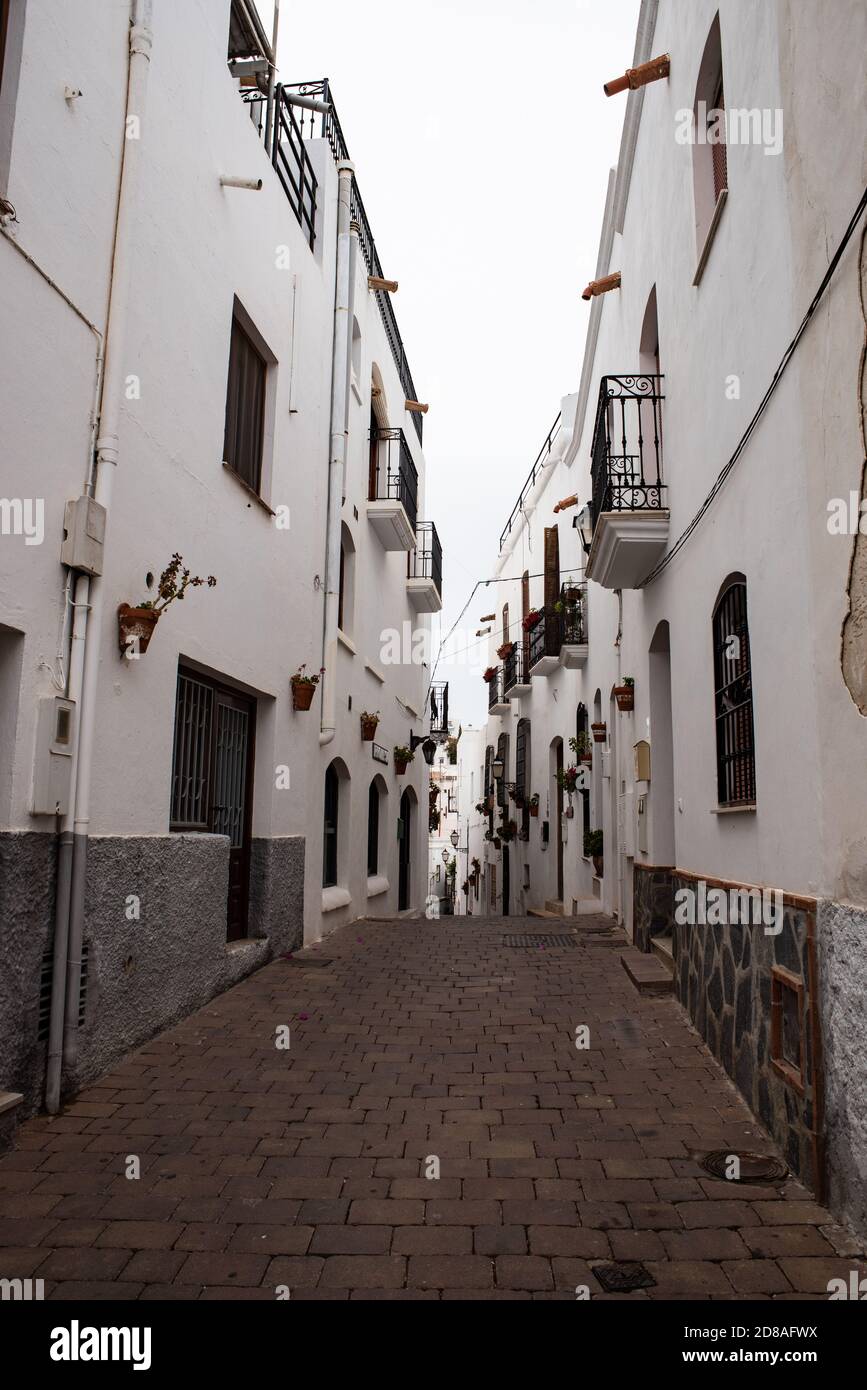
column 456, row 788
column 719, row 579
column 196, row 357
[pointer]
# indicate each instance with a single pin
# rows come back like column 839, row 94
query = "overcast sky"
column 482, row 142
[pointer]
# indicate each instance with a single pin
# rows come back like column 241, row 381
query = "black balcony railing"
column 292, row 162
column 394, row 475
column 541, row 459
column 573, row 615
column 627, row 446
column 513, row 668
column 439, row 707
column 545, row 636
column 426, row 561
column 327, row 127
column 495, row 688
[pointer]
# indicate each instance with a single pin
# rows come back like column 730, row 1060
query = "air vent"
column 538, row 939
column 45, row 992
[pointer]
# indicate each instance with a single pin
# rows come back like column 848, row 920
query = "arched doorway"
column 405, row 829
column 661, row 798
column 555, row 760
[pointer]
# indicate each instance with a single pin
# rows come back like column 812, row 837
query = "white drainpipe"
column 87, row 626
column 341, row 362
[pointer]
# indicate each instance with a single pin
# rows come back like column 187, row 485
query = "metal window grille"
column 191, row 766
column 735, row 744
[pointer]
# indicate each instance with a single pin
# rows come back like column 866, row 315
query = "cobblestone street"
column 305, row 1168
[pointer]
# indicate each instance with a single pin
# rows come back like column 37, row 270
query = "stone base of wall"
column 842, row 933
column 155, row 932
column 652, row 904
column 723, row 978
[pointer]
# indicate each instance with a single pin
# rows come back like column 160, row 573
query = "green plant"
column 628, row 680
column 174, row 582
column 477, row 864
column 534, row 799
column 300, row 679
column 403, row 754
column 566, row 779
column 593, row 846
column 581, row 745
column 368, row 718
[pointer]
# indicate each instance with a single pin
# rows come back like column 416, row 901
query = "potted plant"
column 304, row 687
column 497, row 842
column 599, row 732
column 530, row 621
column 136, row 624
column 566, row 779
column 402, row 758
column 489, row 673
column 452, row 746
column 571, row 592
column 477, row 865
column 505, row 649
column 582, row 748
column 534, row 804
column 625, row 695
column 593, row 849
column 481, row 808
column 368, row 726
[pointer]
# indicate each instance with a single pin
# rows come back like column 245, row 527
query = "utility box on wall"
column 52, row 768
column 84, row 535
column 641, row 754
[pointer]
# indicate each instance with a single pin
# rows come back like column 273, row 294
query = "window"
column 329, row 846
column 245, row 408
column 346, row 591
column 373, row 830
column 503, row 784
column 522, row 772
column 709, row 164
column 581, row 728
column 735, row 749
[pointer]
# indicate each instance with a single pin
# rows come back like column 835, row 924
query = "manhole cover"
column 540, row 940
column 623, row 1277
column 750, row 1167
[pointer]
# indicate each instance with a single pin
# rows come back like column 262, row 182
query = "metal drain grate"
column 45, row 992
column 623, row 1277
column 537, row 939
column 752, row 1167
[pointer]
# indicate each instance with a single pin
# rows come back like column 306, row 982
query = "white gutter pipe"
column 107, row 450
column 340, row 369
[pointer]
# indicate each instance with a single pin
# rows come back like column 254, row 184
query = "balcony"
column 439, row 707
column 630, row 519
column 424, row 570
column 545, row 644
column 515, row 680
column 393, row 490
column 574, row 649
column 497, row 701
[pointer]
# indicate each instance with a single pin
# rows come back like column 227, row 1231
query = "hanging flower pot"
column 402, row 758
column 135, row 628
column 532, row 618
column 534, row 805
column 600, row 732
column 625, row 695
column 489, row 673
column 586, row 759
column 570, row 811
column 505, row 650
column 368, row 726
column 304, row 688
column 497, row 842
column 572, row 594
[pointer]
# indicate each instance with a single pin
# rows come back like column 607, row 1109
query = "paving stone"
column 450, row 1272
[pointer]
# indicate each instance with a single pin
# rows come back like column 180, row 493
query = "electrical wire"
column 760, row 410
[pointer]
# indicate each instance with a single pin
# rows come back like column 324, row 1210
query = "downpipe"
column 89, row 593
column 347, row 238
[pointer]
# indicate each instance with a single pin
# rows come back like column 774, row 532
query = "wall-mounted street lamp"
column 445, row 856
column 497, row 769
column 455, row 838
column 583, row 524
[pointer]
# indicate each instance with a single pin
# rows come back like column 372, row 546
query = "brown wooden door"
column 212, row 778
column 559, row 821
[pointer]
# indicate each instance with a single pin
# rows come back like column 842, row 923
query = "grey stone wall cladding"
column 723, row 979
column 146, row 973
column 653, row 904
column 843, row 1008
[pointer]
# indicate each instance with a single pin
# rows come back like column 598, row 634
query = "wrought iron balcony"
column 628, row 509
column 533, row 477
column 574, row 649
column 439, row 707
column 497, row 701
column 424, row 570
column 393, row 490
column 545, row 643
column 516, row 681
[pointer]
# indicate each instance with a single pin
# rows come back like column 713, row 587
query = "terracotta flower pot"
column 569, row 812
column 534, row 810
column 599, row 732
column 598, row 865
column 400, row 766
column 302, row 694
column 625, row 697
column 135, row 624
column 368, row 729
column 571, row 595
